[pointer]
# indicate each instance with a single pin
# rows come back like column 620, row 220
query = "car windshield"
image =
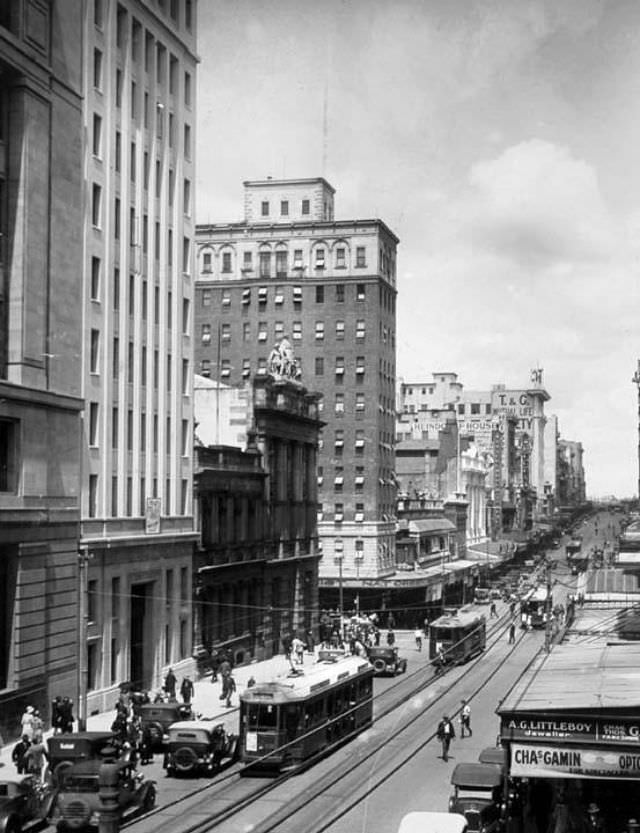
column 262, row 717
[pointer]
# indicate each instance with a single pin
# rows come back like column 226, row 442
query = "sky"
column 498, row 139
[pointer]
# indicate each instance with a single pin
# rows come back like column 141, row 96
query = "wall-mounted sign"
column 607, row 730
column 529, row 761
column 152, row 516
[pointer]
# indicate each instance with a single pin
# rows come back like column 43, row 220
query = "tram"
column 309, row 711
column 461, row 636
column 537, row 603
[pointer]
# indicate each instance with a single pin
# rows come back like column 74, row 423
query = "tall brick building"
column 290, row 268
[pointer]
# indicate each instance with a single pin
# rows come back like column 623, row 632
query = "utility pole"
column 636, row 381
column 83, row 618
column 547, row 628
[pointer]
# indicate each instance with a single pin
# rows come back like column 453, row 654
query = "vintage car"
column 385, row 660
column 478, row 796
column 77, row 804
column 24, row 803
column 157, row 717
column 65, row 750
column 198, row 747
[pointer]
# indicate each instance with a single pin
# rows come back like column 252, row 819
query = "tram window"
column 262, row 717
column 291, row 720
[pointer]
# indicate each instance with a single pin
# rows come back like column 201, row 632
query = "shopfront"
column 572, row 734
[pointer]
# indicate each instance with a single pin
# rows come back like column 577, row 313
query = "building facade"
column 290, row 268
column 137, row 522
column 40, row 352
column 257, row 564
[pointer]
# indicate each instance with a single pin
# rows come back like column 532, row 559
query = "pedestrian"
column 376, row 637
column 225, row 668
column 228, row 689
column 27, row 722
column 187, row 690
column 66, row 710
column 170, row 684
column 445, row 734
column 418, row 637
column 465, row 719
column 287, row 643
column 512, row 633
column 529, row 620
column 38, row 727
column 56, row 723
column 297, row 649
column 493, row 613
column 594, row 823
column 34, row 759
column 311, row 642
column 146, row 746
column 18, row 754
column 391, row 637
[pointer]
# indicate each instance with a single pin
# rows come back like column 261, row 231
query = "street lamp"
column 83, row 617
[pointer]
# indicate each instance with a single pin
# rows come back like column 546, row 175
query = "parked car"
column 424, row 821
column 198, row 746
column 157, row 717
column 66, row 750
column 386, row 660
column 24, row 804
column 77, row 804
column 477, row 795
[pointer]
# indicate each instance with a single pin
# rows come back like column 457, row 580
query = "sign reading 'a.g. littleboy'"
column 609, row 730
column 531, row 761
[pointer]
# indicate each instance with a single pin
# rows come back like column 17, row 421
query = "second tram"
column 297, row 716
column 460, row 636
column 537, row 604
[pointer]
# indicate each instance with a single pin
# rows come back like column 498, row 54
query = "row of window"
column 339, row 515
column 305, row 208
column 338, row 548
column 296, row 331
column 94, row 426
column 279, row 261
column 95, row 364
column 128, row 509
column 341, row 293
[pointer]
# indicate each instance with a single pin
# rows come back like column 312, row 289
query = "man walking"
column 445, row 734
column 170, row 685
column 512, row 633
column 465, row 719
column 186, row 690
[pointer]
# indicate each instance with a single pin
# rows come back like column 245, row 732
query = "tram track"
column 233, row 794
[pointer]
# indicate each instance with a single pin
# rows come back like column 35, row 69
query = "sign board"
column 531, row 761
column 601, row 730
column 152, row 516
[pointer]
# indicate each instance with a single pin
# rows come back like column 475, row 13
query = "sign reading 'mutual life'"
column 530, row 761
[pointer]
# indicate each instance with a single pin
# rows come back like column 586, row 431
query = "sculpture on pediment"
column 282, row 363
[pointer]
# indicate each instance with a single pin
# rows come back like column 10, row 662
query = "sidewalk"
column 206, row 700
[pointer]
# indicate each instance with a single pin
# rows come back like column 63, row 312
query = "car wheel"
column 379, row 665
column 185, row 759
column 149, row 800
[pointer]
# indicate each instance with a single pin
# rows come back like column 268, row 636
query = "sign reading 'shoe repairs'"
column 545, row 761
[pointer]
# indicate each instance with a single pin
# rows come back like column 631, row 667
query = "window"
column 359, row 478
column 186, row 255
column 205, row 367
column 172, row 130
column 338, row 512
column 319, row 294
column 93, row 423
column 96, row 205
column 262, row 331
column 359, row 553
column 246, row 297
column 360, row 402
column 132, row 294
column 320, row 258
column 116, row 220
column 265, row 264
column 246, row 368
column 173, row 74
column 297, row 330
column 187, row 89
column 360, row 362
column 297, row 259
column 136, row 38
column 264, row 208
column 461, row 408
column 279, row 296
column 319, row 366
column 225, row 369
column 262, row 295
column 360, row 329
column 278, row 331
column 95, row 278
column 95, row 351
column 339, row 366
column 134, row 100
column 130, row 362
column 226, row 261
column 246, row 331
column 359, row 443
column 281, row 264
column 118, row 88
column 206, row 333
column 187, row 14
column 262, row 367
column 186, row 197
column 359, row 516
column 360, row 292
column 297, row 295
column 187, row 141
column 226, row 333
column 339, row 330
column 206, row 261
column 340, row 293
column 341, row 257
column 339, row 404
column 339, row 438
column 319, row 330
column 98, row 13
column 361, row 259
column 93, row 495
column 305, row 206
column 97, row 69
column 97, row 135
column 338, row 479
column 143, row 431
column 116, row 357
column 284, row 208
column 475, row 407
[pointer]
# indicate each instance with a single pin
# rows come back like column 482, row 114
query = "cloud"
column 538, row 204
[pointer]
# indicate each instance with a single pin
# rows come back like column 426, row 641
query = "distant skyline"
column 499, row 141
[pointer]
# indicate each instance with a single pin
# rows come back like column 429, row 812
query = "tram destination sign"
column 532, row 761
column 603, row 730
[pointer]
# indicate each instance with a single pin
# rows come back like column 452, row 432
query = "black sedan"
column 24, row 803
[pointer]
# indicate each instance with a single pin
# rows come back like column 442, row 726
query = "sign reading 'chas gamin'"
column 529, row 761
column 578, row 730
